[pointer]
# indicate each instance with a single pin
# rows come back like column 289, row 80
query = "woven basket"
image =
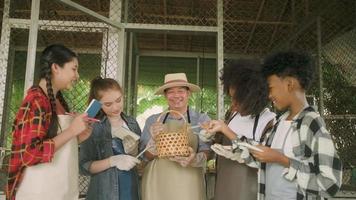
column 175, row 143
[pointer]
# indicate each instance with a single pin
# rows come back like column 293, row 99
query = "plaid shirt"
column 29, row 144
column 316, row 168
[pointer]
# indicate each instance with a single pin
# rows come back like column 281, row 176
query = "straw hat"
column 176, row 80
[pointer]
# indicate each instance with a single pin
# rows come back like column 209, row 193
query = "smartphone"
column 93, row 108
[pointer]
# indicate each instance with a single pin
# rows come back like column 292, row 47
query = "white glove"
column 130, row 145
column 156, row 128
column 193, row 160
column 151, row 144
column 123, row 162
column 205, row 136
column 226, row 151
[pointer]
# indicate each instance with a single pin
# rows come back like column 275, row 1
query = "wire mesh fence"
column 15, row 85
column 330, row 37
column 58, row 25
column 174, row 12
column 250, row 29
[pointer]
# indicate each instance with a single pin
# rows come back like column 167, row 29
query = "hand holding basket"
column 171, row 143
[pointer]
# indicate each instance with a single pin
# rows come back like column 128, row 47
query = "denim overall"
column 127, row 179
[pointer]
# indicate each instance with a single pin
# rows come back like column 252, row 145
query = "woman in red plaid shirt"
column 44, row 146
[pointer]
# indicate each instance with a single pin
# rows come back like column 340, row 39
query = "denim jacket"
column 98, row 146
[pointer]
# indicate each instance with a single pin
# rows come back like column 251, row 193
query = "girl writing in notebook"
column 108, row 155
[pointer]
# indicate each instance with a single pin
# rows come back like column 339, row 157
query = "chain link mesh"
column 251, row 29
column 337, row 52
column 79, row 32
column 15, row 84
column 176, row 12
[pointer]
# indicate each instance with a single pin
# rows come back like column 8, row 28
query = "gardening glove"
column 193, row 160
column 123, row 162
column 130, row 145
column 152, row 147
column 156, row 129
column 205, row 136
column 227, row 152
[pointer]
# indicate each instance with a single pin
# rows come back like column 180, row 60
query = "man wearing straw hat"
column 176, row 177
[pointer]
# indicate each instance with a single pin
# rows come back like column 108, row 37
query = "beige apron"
column 164, row 179
column 57, row 180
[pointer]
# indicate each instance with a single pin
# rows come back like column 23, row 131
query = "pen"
column 196, row 126
column 143, row 151
column 93, row 119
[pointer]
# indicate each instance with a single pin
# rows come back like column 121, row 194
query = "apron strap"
column 166, row 116
column 255, row 126
column 243, row 138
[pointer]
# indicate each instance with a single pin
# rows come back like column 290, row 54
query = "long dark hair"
column 251, row 92
column 99, row 85
column 54, row 54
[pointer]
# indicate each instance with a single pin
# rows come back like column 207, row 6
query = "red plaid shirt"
column 29, row 143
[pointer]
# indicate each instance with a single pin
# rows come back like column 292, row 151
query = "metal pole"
column 6, row 126
column 4, row 49
column 104, row 54
column 320, row 68
column 137, row 66
column 32, row 45
column 199, row 97
column 129, row 103
column 121, row 57
column 220, row 58
column 116, row 24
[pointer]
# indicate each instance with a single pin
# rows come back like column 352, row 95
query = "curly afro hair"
column 250, row 86
column 295, row 64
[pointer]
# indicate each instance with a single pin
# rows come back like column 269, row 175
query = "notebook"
column 93, row 108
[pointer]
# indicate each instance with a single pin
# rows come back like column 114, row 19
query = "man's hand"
column 156, row 129
column 193, row 160
column 184, row 161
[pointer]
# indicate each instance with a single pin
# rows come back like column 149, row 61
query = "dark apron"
column 235, row 181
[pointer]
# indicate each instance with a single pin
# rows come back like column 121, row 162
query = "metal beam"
column 4, row 56
column 6, row 126
column 166, row 27
column 129, row 103
column 54, row 25
column 185, row 54
column 137, row 66
column 233, row 21
column 254, row 25
column 239, row 21
column 220, row 59
column 276, row 26
column 306, row 23
column 32, row 45
column 79, row 7
column 320, row 67
column 75, row 49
